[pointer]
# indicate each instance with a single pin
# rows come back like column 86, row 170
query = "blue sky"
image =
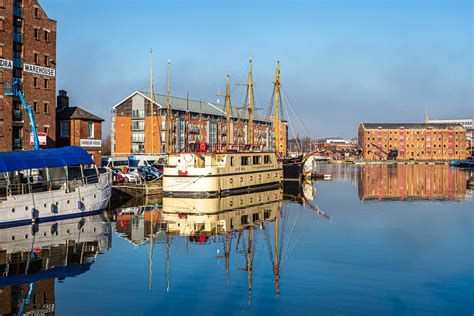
column 342, row 62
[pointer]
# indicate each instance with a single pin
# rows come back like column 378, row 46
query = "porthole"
column 13, row 237
column 231, row 180
column 82, row 199
column 82, row 230
column 241, row 179
column 57, row 233
column 251, row 200
column 57, row 203
column 251, row 178
column 26, row 236
column 26, row 208
column 259, row 177
column 231, row 203
column 268, row 176
column 68, row 231
column 241, row 201
column 94, row 229
column 44, row 234
column 13, row 210
column 45, row 205
column 67, row 201
column 95, row 196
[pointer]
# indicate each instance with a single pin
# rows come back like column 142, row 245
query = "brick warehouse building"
column 413, row 141
column 27, row 52
column 193, row 120
column 77, row 127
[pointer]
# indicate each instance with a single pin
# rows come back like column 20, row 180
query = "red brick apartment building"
column 414, row 141
column 28, row 53
column 77, row 127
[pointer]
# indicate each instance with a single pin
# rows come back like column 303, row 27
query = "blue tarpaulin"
column 45, row 158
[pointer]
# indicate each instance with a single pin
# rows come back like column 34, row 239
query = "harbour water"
column 375, row 240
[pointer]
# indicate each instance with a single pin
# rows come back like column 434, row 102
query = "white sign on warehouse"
column 91, row 142
column 5, row 63
column 39, row 70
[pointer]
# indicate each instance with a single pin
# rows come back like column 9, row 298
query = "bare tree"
column 106, row 146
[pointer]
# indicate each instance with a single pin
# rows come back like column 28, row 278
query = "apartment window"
column 46, row 85
column 35, row 82
column 90, row 129
column 46, row 107
column 36, row 12
column 35, row 107
column 36, row 58
column 46, row 36
column 64, row 128
column 36, row 33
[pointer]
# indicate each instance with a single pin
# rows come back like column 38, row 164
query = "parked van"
column 145, row 160
column 118, row 163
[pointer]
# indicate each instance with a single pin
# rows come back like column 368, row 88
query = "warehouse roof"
column 74, row 112
column 197, row 106
column 411, row 125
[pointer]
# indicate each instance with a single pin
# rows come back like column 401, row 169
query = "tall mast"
column 250, row 263
column 227, row 106
column 277, row 113
column 276, row 268
column 152, row 98
column 250, row 100
column 169, row 116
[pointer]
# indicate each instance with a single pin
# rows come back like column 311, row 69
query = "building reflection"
column 32, row 257
column 411, row 181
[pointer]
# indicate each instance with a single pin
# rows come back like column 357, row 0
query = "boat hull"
column 24, row 209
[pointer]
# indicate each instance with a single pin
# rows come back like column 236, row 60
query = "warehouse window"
column 46, row 129
column 35, row 82
column 36, row 58
column 35, row 107
column 36, row 33
column 46, row 107
column 46, row 85
column 46, row 60
column 36, row 12
column 46, row 36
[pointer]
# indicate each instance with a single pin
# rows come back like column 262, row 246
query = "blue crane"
column 15, row 91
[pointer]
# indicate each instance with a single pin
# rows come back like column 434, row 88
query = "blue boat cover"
column 45, row 158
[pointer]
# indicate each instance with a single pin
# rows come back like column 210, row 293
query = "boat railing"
column 27, row 187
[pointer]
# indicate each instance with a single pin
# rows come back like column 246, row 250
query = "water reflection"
column 409, row 182
column 32, row 257
column 237, row 224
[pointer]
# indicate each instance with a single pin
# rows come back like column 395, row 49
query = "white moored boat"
column 50, row 184
column 213, row 174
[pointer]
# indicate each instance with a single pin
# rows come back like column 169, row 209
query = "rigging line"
column 284, row 108
column 284, row 220
column 272, row 100
column 294, row 111
column 268, row 244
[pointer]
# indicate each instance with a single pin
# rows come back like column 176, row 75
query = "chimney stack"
column 62, row 100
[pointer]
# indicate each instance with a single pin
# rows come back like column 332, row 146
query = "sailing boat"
column 226, row 171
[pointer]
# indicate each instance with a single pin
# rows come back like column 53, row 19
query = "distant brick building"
column 77, row 127
column 28, row 53
column 413, row 141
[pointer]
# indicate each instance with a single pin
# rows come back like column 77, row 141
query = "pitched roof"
column 197, row 106
column 411, row 125
column 74, row 112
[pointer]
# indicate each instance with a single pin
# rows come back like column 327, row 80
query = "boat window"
column 232, row 161
column 266, row 214
column 245, row 160
column 255, row 217
column 266, row 159
column 257, row 160
column 244, row 219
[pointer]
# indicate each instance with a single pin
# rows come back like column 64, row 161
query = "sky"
column 342, row 62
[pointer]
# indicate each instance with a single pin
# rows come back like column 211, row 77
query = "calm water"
column 374, row 240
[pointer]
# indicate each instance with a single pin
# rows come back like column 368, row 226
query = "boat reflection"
column 411, row 182
column 32, row 257
column 234, row 223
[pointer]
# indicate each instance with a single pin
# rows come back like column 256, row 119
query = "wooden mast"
column 250, row 100
column 227, row 106
column 169, row 116
column 250, row 263
column 276, row 267
column 277, row 110
column 152, row 98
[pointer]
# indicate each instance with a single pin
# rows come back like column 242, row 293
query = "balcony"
column 17, row 38
column 17, row 115
column 17, row 11
column 138, row 115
